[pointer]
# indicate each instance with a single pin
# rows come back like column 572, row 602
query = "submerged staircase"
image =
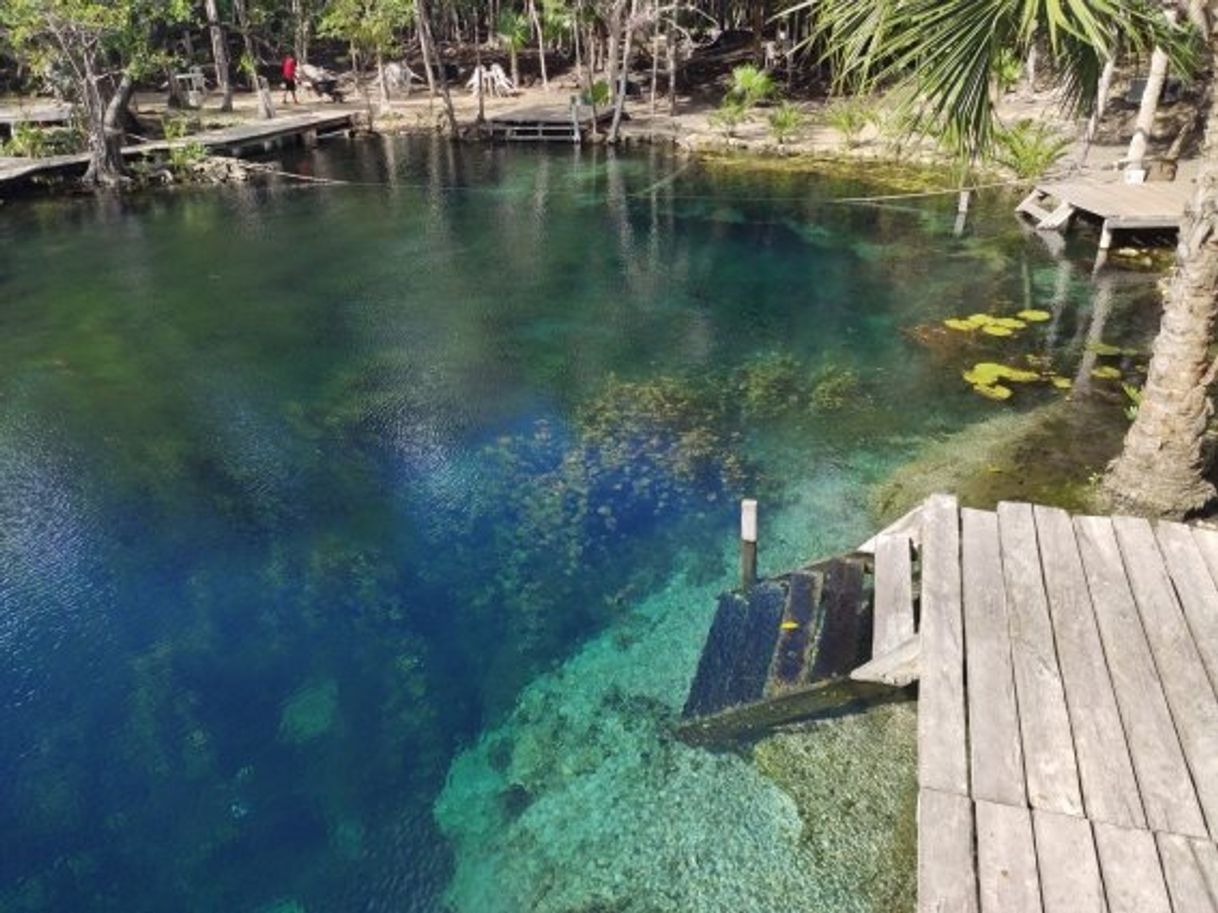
column 831, row 636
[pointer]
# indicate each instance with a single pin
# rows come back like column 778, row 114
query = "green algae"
column 845, row 774
column 309, row 712
column 1049, row 455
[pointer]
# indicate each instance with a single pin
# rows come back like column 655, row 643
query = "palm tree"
column 944, row 53
column 513, row 30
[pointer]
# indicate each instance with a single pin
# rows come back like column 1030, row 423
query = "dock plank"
column 1048, row 748
column 942, row 737
column 1196, row 588
column 1163, row 776
column 993, row 718
column 1186, row 881
column 1206, row 855
column 1207, row 542
column 894, row 609
column 1007, row 880
column 1129, row 863
column 1110, row 790
column 1069, row 870
column 947, row 878
column 1190, row 696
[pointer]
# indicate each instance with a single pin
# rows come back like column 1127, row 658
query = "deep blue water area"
column 302, row 483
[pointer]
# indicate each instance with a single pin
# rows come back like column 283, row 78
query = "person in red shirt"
column 289, row 79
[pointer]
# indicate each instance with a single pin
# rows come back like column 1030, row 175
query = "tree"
column 513, row 30
column 106, row 46
column 371, row 28
column 944, row 52
column 219, row 53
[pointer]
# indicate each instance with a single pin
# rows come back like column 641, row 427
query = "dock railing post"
column 748, row 543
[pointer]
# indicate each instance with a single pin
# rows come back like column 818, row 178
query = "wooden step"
column 796, row 632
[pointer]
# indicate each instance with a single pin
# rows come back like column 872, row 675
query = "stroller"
column 321, row 81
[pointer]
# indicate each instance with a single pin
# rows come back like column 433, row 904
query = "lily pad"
column 1105, row 372
column 994, row 329
column 993, row 391
column 1033, row 315
column 986, row 373
column 963, row 326
column 1062, row 383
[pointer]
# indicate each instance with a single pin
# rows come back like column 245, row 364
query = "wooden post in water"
column 748, row 543
column 961, row 212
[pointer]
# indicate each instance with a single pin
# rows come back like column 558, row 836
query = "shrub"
column 751, row 85
column 850, row 117
column 1030, row 148
column 729, row 116
column 786, row 122
column 1007, row 70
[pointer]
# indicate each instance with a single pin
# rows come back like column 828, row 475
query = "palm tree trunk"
column 219, row 53
column 541, row 44
column 1161, row 467
column 266, row 106
column 1147, row 109
column 382, row 82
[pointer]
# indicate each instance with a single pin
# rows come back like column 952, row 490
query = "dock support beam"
column 748, row 543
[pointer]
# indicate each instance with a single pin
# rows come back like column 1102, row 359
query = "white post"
column 748, row 542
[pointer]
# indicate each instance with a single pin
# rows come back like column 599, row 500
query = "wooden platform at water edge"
column 1119, row 206
column 547, row 124
column 236, row 140
column 1067, row 709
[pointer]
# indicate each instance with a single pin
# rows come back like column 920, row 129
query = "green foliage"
column 728, row 116
column 943, row 53
column 512, row 27
column 850, row 117
column 786, row 122
column 751, row 86
column 1029, row 148
column 598, row 96
column 1007, row 70
column 30, row 141
column 1134, row 395
column 372, row 26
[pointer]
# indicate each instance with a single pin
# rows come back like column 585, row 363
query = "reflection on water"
column 300, row 485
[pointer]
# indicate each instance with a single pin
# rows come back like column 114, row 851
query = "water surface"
column 301, row 485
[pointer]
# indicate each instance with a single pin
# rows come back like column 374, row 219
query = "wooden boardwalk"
column 547, row 123
column 227, row 141
column 1067, row 718
column 1155, row 204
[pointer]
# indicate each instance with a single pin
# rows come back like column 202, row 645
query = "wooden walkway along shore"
column 1119, row 206
column 1067, row 717
column 227, row 141
column 548, row 123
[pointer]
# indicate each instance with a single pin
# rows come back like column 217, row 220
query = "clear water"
column 357, row 541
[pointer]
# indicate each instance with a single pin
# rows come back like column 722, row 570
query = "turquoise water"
column 357, row 541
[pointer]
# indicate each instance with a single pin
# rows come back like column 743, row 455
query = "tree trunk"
column 1101, row 102
column 425, row 50
column 382, row 82
column 300, row 32
column 619, row 101
column 671, row 49
column 266, row 105
column 433, row 52
column 1161, row 468
column 655, row 61
column 614, row 50
column 1029, row 66
column 219, row 53
column 1147, row 109
column 541, row 45
column 515, row 63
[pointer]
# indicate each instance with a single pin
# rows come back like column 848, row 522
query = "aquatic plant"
column 769, row 384
column 309, row 712
column 1134, row 395
column 1106, row 372
column 833, row 388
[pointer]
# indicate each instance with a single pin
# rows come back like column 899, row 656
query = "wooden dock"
column 1067, row 718
column 548, row 124
column 236, row 140
column 1118, row 206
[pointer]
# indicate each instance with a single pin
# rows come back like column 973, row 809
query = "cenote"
column 357, row 541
